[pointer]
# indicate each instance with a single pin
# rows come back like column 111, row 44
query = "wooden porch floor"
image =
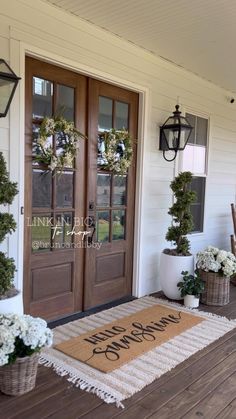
column 202, row 386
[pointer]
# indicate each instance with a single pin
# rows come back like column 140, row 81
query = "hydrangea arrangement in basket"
column 213, row 259
column 216, row 267
column 21, row 339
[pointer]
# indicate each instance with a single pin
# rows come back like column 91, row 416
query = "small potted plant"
column 216, row 268
column 175, row 260
column 10, row 298
column 22, row 338
column 191, row 287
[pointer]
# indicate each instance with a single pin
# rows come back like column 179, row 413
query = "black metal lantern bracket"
column 8, row 81
column 174, row 133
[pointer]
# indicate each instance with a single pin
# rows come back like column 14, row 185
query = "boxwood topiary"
column 181, row 213
column 8, row 190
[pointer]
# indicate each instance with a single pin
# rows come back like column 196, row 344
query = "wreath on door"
column 115, row 151
column 66, row 143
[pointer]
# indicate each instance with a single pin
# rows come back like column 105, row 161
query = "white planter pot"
column 170, row 273
column 191, row 301
column 12, row 305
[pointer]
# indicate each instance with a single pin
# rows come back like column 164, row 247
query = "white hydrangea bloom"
column 212, row 249
column 221, row 256
column 31, row 333
column 214, row 260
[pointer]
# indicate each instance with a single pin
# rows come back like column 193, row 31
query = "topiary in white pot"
column 174, row 261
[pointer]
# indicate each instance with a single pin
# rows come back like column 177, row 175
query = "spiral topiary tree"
column 182, row 217
column 8, row 191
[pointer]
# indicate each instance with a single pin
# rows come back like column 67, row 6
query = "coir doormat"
column 133, row 376
column 107, row 348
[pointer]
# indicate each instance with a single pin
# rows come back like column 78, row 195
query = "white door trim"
column 17, row 117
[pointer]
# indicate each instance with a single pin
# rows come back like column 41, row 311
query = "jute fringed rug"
column 115, row 344
column 200, row 330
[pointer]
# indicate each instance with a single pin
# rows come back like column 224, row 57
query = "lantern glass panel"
column 183, row 138
column 6, row 88
column 4, row 68
column 172, row 138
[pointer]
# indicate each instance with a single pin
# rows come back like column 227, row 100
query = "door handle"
column 90, row 238
column 91, row 224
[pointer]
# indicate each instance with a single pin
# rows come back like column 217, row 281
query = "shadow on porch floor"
column 202, row 386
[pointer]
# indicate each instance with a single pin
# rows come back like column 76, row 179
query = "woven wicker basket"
column 216, row 290
column 20, row 377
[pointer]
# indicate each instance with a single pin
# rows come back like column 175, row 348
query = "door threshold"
column 94, row 310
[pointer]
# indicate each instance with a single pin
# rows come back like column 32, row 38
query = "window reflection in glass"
column 119, row 191
column 42, row 98
column 118, row 225
column 121, row 115
column 64, row 189
column 42, row 188
column 36, row 150
column 65, row 102
column 63, row 231
column 101, row 160
column 41, row 233
column 103, row 226
column 105, row 114
column 103, row 190
column 194, row 159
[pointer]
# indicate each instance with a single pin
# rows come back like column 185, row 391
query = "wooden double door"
column 79, row 224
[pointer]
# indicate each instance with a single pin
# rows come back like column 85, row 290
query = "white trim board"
column 21, row 50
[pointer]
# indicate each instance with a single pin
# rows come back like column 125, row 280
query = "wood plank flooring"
column 204, row 386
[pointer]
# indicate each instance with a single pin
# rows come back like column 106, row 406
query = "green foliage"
column 7, row 225
column 21, row 350
column 7, row 270
column 191, row 284
column 180, row 211
column 8, row 191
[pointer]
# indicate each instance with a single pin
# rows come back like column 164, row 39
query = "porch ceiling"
column 197, row 35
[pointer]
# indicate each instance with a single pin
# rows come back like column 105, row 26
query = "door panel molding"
column 100, row 292
column 39, row 264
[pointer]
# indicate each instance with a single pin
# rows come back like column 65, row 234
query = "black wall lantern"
column 174, row 133
column 8, row 84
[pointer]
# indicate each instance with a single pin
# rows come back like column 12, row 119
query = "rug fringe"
column 121, row 383
column 79, row 382
column 196, row 311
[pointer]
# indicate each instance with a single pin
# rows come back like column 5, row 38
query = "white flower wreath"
column 67, row 143
column 116, row 151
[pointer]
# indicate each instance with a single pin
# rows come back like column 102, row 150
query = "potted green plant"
column 175, row 260
column 10, row 298
column 190, row 288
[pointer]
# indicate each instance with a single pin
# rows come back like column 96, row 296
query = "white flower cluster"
column 213, row 259
column 21, row 334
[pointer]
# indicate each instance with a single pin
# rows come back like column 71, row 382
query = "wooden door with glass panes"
column 110, row 198
column 63, row 273
column 53, row 258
